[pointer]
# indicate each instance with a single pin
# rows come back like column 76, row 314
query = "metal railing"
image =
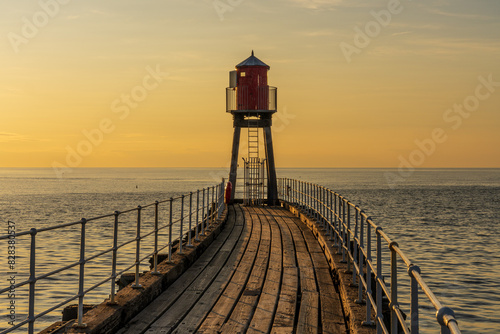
column 194, row 211
column 266, row 99
column 352, row 233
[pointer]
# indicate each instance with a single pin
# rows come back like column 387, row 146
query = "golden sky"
column 141, row 83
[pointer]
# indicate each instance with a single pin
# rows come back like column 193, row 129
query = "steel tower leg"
column 234, row 160
column 272, row 185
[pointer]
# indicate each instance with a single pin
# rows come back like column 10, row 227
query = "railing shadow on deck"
column 351, row 231
column 189, row 214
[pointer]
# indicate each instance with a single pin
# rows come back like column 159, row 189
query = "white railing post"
column 136, row 284
column 414, row 322
column 348, row 238
column 114, row 260
column 170, row 230
column 380, row 317
column 368, row 321
column 155, row 257
column 203, row 213
column 81, row 279
column 360, row 259
column 181, row 228
column 32, row 282
column 394, row 288
column 344, row 238
column 197, row 234
column 356, row 244
column 190, row 219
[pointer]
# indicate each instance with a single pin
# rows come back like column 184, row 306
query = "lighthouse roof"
column 252, row 61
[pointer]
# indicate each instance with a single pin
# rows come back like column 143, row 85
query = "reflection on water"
column 446, row 221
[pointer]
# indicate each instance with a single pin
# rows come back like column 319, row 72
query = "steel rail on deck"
column 211, row 205
column 337, row 215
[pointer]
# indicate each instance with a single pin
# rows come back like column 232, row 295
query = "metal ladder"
column 253, row 165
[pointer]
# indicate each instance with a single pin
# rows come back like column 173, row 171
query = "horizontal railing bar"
column 125, row 269
column 90, row 258
column 146, row 257
column 402, row 256
column 15, row 235
column 69, row 266
column 55, row 227
column 147, row 234
column 373, row 302
column 425, row 288
column 12, row 328
column 385, row 236
column 97, row 285
column 127, row 211
column 39, row 315
column 100, row 217
column 382, row 325
column 18, row 285
column 401, row 319
column 162, row 248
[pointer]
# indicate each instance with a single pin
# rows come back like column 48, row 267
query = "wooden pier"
column 261, row 269
column 265, row 273
column 302, row 267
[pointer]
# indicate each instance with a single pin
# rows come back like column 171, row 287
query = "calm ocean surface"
column 446, row 220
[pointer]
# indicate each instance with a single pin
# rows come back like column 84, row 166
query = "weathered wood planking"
column 264, row 312
column 141, row 322
column 252, row 280
column 244, row 308
column 226, row 302
column 196, row 315
column 332, row 316
column 285, row 313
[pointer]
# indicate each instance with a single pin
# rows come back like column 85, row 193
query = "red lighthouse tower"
column 252, row 102
column 253, row 91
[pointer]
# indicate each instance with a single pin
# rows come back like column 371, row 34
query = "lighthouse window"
column 242, row 74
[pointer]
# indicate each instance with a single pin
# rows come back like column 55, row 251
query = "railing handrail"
column 211, row 205
column 333, row 211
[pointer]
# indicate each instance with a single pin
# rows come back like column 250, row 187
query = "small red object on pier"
column 227, row 193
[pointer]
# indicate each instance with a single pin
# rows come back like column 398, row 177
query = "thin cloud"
column 459, row 15
column 331, row 4
column 6, row 137
column 9, row 137
column 317, row 33
column 317, row 4
column 402, row 33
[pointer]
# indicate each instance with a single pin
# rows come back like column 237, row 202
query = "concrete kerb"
column 355, row 313
column 105, row 318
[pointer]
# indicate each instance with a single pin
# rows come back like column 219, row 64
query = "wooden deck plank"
column 264, row 312
column 309, row 313
column 197, row 314
column 332, row 317
column 304, row 262
column 308, row 287
column 190, row 296
column 242, row 313
column 141, row 322
column 226, row 302
column 285, row 313
column 330, row 308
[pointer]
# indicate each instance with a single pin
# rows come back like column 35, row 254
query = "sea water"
column 447, row 221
